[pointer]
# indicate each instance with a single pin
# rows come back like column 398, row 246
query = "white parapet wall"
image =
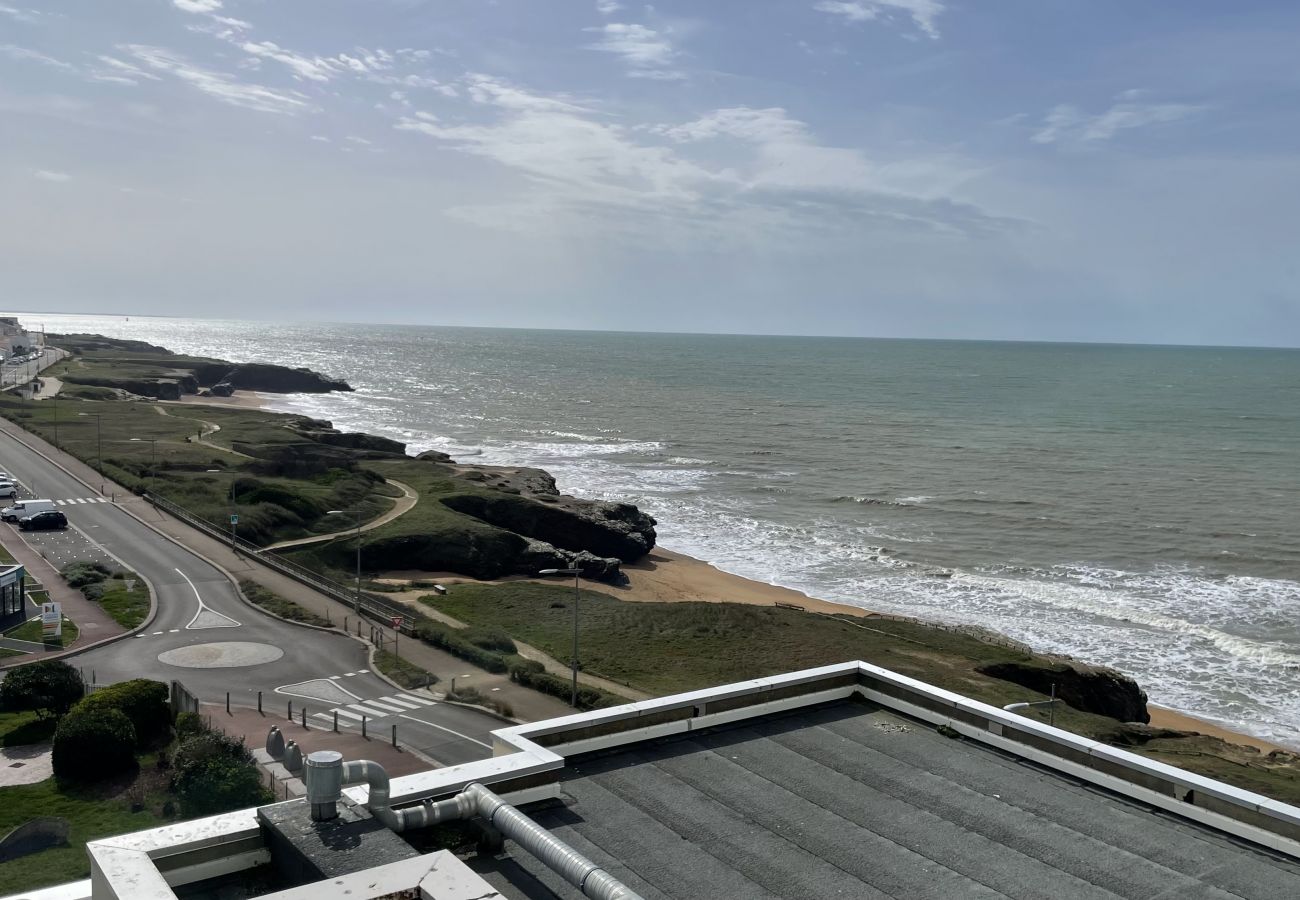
column 529, row 762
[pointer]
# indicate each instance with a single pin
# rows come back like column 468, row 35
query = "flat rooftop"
column 853, row 800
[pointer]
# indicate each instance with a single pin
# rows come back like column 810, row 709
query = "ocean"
column 1132, row 506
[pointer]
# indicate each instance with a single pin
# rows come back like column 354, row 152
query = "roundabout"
column 221, row 655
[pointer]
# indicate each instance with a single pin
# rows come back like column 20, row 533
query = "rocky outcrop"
column 1093, row 689
column 604, row 529
column 282, row 380
column 222, row 389
column 435, row 456
column 324, row 432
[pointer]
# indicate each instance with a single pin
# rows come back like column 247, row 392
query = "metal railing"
column 369, row 604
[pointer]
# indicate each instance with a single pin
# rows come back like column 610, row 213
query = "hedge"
column 450, row 639
column 91, row 744
column 143, row 702
column 532, row 674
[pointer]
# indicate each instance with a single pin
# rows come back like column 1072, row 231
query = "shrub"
column 449, row 639
column 143, row 702
column 48, row 688
column 91, row 744
column 93, row 592
column 80, row 574
column 489, row 639
column 532, row 674
column 188, row 724
column 215, row 773
column 219, row 785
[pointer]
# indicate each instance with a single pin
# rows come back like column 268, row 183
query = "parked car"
column 23, row 508
column 44, row 521
column 8, row 489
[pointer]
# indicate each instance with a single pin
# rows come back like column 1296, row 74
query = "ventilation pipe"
column 327, row 774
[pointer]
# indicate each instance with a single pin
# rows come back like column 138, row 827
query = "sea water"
column 1131, row 506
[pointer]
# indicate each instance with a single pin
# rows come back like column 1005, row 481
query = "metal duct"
column 327, row 774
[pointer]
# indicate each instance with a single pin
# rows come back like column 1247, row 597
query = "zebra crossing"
column 76, row 500
column 392, row 705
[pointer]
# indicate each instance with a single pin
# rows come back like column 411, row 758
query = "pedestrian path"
column 379, row 708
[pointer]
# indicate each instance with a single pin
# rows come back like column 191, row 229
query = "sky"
column 1093, row 170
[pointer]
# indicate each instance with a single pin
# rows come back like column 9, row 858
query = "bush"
column 91, row 744
column 215, row 773
column 48, row 688
column 93, row 592
column 143, row 702
column 450, row 639
column 189, row 724
column 219, row 785
column 80, row 574
column 532, row 674
column 489, row 639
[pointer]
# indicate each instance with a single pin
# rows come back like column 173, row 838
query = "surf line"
column 203, row 607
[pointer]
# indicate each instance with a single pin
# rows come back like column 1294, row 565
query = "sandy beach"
column 239, row 399
column 665, row 576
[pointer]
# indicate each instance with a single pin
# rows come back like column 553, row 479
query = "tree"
column 50, row 688
column 142, row 701
column 218, row 785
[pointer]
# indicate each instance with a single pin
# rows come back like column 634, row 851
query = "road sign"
column 234, row 519
column 397, row 621
column 130, row 585
column 51, row 621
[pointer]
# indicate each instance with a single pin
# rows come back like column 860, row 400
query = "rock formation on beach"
column 1094, row 689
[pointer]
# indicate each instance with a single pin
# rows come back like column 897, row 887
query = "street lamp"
column 99, row 443
column 575, row 572
column 356, row 520
column 153, row 455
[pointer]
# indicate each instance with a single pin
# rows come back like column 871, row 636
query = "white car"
column 8, row 489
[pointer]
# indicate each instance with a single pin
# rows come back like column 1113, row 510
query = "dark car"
column 44, row 521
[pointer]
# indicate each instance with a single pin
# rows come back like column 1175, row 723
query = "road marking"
column 423, row 701
column 368, row 711
column 203, row 607
column 401, row 704
column 347, row 715
column 335, row 677
column 384, row 704
column 172, row 630
column 348, row 674
column 448, row 730
column 363, row 671
column 157, row 632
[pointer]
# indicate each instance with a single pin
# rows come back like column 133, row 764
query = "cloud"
column 197, row 6
column 47, row 175
column 1069, row 124
column 312, row 68
column 26, row 16
column 663, row 181
column 648, row 53
column 218, row 85
column 924, row 13
column 116, row 71
column 25, row 54
column 608, row 7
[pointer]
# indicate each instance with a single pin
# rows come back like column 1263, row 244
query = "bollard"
column 394, row 735
column 363, row 726
column 345, row 622
column 304, row 717
column 227, row 702
column 259, row 703
column 336, row 720
column 290, row 715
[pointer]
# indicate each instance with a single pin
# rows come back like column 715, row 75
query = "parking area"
column 75, row 544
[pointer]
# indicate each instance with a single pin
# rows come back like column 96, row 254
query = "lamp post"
column 356, row 520
column 153, row 456
column 99, row 443
column 577, row 593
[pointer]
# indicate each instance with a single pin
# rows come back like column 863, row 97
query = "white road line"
column 374, row 714
column 101, row 499
column 157, row 632
column 347, row 715
column 385, row 705
column 363, row 671
column 448, row 730
column 403, row 704
column 335, row 677
column 172, row 630
column 203, row 606
column 423, row 701
column 348, row 674
column 288, row 689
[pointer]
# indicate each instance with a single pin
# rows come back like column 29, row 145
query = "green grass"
column 404, row 673
column 127, row 607
column 92, row 813
column 6, row 653
column 7, row 558
column 19, row 728
column 31, row 631
column 664, row 648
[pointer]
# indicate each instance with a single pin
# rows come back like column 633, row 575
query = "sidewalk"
column 528, row 705
column 94, row 624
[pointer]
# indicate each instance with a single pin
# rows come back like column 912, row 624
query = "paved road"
column 205, row 635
